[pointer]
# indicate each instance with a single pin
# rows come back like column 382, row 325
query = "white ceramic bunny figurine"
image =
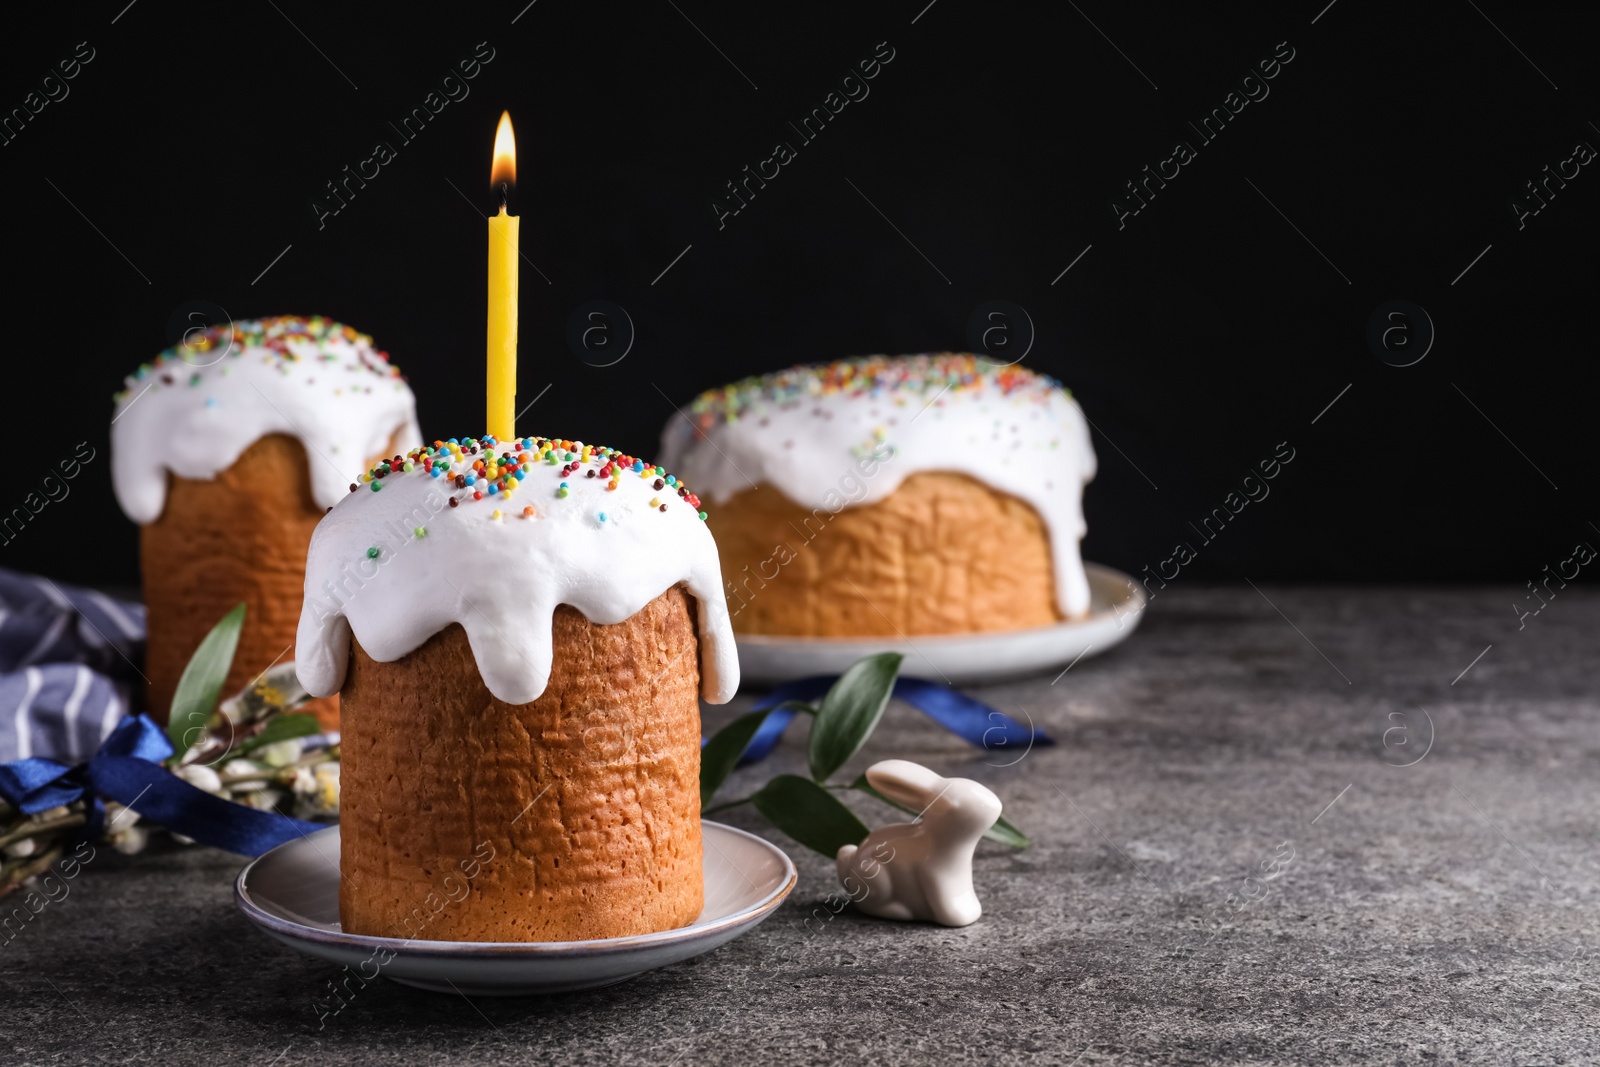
column 921, row 869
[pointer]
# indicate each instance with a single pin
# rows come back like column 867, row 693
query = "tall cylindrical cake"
column 226, row 451
column 520, row 633
column 884, row 496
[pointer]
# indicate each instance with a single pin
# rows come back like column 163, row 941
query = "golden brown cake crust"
column 942, row 554
column 578, row 815
column 241, row 536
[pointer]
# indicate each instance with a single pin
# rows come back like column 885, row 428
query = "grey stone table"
column 1233, row 861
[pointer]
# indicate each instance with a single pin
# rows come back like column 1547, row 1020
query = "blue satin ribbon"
column 969, row 719
column 128, row 769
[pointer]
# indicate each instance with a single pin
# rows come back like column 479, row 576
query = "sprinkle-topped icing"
column 851, row 432
column 944, row 373
column 495, row 536
column 195, row 408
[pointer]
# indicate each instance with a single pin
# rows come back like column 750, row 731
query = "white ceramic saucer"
column 1116, row 603
column 292, row 892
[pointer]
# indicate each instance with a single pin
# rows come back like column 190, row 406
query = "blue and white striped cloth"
column 68, row 658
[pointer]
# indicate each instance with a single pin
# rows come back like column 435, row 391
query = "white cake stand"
column 1116, row 605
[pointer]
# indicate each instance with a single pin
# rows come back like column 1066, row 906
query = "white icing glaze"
column 502, row 579
column 805, row 430
column 195, row 412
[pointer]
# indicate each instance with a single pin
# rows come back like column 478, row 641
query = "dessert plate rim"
column 299, row 933
column 1117, row 604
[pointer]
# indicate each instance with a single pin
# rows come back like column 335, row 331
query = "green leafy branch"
column 194, row 722
column 200, row 686
column 809, row 809
column 239, row 737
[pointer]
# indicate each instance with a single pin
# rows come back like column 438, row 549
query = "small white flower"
column 287, row 683
column 316, row 792
column 26, row 847
column 201, row 777
column 281, row 753
column 261, row 799
column 130, row 840
column 119, row 817
column 278, row 691
column 235, row 769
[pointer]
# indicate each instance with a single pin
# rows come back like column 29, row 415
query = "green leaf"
column 850, row 711
column 810, row 814
column 201, row 685
column 722, row 752
column 281, row 728
column 1003, row 830
column 1006, row 832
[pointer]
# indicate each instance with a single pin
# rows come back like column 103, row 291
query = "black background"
column 1197, row 338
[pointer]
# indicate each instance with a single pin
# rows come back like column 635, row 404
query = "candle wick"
column 503, row 195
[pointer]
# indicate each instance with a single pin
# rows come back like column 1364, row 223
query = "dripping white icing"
column 803, row 430
column 194, row 413
column 502, row 579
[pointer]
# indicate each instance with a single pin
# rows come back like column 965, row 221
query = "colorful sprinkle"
column 931, row 376
column 497, row 471
column 281, row 341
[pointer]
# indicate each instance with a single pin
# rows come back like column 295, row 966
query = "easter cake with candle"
column 227, row 450
column 520, row 632
column 880, row 496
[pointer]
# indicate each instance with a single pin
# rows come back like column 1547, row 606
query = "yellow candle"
column 504, row 234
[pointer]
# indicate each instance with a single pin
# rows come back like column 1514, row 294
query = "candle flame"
column 504, row 168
